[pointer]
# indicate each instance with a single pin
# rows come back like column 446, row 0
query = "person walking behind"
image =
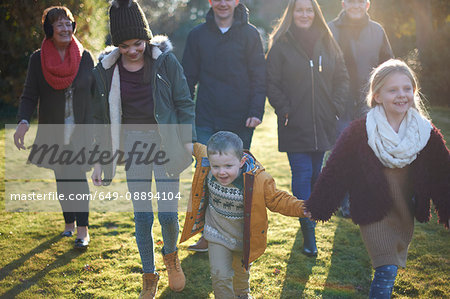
column 142, row 88
column 58, row 82
column 392, row 162
column 365, row 45
column 224, row 58
column 307, row 84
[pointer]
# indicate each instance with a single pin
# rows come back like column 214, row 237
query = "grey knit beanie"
column 127, row 21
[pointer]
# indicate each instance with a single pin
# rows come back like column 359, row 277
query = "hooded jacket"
column 172, row 105
column 368, row 47
column 354, row 168
column 260, row 192
column 229, row 69
column 311, row 91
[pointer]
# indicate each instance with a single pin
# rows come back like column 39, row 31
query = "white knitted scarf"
column 396, row 150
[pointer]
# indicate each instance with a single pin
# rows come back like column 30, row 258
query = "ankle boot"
column 309, row 237
column 177, row 280
column 150, row 285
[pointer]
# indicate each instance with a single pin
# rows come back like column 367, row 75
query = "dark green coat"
column 172, row 104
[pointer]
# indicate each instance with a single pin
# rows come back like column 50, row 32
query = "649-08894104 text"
column 164, row 196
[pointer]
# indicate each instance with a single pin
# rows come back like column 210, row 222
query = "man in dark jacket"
column 365, row 46
column 225, row 57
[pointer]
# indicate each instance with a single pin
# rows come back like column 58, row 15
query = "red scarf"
column 60, row 74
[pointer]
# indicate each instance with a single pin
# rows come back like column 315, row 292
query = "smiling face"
column 223, row 9
column 132, row 50
column 303, row 14
column 355, row 9
column 396, row 95
column 62, row 32
column 225, row 167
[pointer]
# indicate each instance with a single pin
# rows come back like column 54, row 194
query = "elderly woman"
column 58, row 81
column 307, row 84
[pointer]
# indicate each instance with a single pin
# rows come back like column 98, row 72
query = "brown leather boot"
column 150, row 285
column 177, row 280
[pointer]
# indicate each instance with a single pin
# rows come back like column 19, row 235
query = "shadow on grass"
column 61, row 260
column 299, row 268
column 349, row 275
column 6, row 270
column 198, row 281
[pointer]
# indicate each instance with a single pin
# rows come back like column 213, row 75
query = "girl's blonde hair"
column 285, row 22
column 380, row 75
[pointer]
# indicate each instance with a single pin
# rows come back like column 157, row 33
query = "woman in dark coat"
column 58, row 79
column 307, row 84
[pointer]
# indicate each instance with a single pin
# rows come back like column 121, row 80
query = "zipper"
column 162, row 79
column 311, row 63
column 320, row 63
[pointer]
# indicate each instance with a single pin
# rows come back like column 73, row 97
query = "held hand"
column 252, row 122
column 97, row 175
column 307, row 214
column 189, row 147
column 19, row 135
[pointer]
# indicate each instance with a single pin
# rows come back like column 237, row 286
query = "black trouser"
column 71, row 182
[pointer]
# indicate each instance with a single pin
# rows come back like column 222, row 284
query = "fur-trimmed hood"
column 160, row 44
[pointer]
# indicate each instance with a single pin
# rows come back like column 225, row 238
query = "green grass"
column 37, row 263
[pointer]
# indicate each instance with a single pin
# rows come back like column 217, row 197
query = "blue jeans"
column 305, row 169
column 139, row 181
column 204, row 133
column 383, row 282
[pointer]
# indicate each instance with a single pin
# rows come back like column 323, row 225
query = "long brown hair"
column 285, row 22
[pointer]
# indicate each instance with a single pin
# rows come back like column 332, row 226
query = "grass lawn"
column 35, row 262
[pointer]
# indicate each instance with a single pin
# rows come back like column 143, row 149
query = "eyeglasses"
column 356, row 2
column 63, row 25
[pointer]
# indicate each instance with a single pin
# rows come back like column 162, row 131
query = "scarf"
column 307, row 38
column 396, row 150
column 60, row 74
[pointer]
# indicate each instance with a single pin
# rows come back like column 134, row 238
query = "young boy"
column 230, row 193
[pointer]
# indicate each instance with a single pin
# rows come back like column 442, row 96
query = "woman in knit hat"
column 141, row 88
column 58, row 79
